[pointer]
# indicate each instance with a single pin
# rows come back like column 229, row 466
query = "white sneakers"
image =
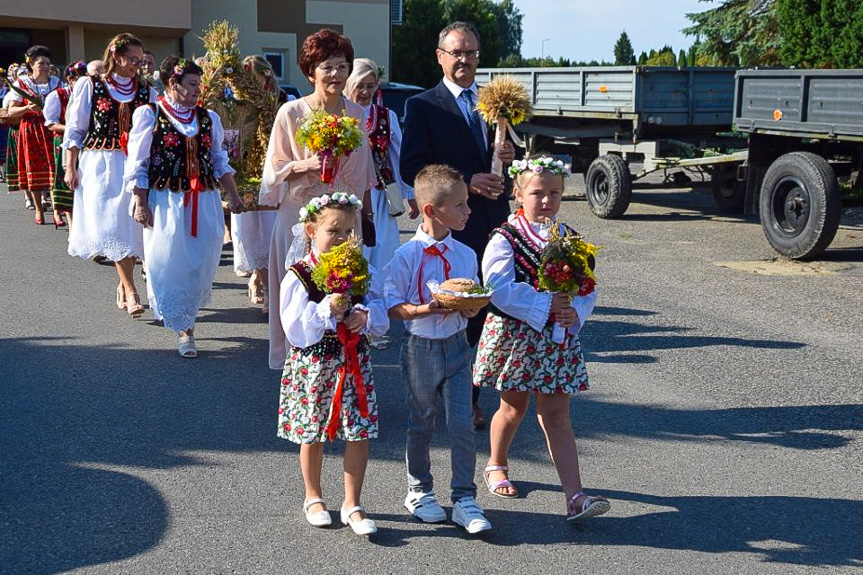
column 465, row 512
column 468, row 514
column 425, row 507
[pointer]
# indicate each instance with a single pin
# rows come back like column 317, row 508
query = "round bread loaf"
column 458, row 285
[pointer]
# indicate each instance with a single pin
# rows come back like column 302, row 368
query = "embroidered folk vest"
column 175, row 159
column 63, row 95
column 379, row 139
column 110, row 119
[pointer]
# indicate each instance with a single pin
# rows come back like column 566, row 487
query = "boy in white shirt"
column 435, row 355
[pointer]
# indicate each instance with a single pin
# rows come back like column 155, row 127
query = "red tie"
column 434, row 251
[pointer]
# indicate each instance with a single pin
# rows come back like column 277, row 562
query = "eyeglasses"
column 459, row 54
column 330, row 70
column 136, row 61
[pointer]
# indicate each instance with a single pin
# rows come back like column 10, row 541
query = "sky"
column 587, row 29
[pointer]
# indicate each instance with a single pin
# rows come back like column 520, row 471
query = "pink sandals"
column 582, row 506
column 493, row 486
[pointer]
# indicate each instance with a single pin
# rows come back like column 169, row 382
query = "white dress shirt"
column 402, row 281
column 52, row 108
column 456, row 91
column 305, row 321
column 521, row 300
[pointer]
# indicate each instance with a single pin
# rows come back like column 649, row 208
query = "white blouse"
column 78, row 111
column 141, row 137
column 394, row 152
column 305, row 321
column 41, row 89
column 52, row 108
column 521, row 300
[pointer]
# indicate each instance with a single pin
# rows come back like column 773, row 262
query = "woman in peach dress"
column 292, row 173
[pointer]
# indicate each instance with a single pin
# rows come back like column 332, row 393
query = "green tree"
column 509, row 19
column 682, row 59
column 623, row 52
column 481, row 14
column 664, row 57
column 414, row 43
column 821, row 33
column 642, row 59
column 737, row 32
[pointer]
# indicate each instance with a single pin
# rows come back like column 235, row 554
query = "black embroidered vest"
column 174, row 158
column 379, row 139
column 110, row 119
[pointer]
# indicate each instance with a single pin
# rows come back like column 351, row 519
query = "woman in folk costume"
column 35, row 150
column 292, row 173
column 175, row 161
column 98, row 121
column 385, row 138
column 55, row 120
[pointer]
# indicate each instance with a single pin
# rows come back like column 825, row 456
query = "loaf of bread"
column 461, row 285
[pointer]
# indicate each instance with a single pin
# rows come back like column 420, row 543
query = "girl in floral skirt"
column 327, row 381
column 529, row 344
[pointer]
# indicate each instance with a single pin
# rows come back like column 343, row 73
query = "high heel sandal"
column 39, row 219
column 59, row 222
column 133, row 305
column 256, row 293
column 121, row 297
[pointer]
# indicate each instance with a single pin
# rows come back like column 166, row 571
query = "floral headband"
column 79, row 68
column 538, row 166
column 179, row 69
column 336, row 198
column 116, row 45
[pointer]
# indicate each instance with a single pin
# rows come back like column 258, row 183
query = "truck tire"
column 800, row 205
column 730, row 197
column 609, row 186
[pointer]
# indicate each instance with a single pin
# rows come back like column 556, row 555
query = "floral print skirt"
column 308, row 386
column 513, row 356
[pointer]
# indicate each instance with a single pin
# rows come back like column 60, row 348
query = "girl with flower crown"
column 327, row 389
column 98, row 121
column 35, row 151
column 55, row 119
column 292, row 173
column 176, row 162
column 529, row 343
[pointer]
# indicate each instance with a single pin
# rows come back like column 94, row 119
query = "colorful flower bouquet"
column 503, row 102
column 567, row 263
column 343, row 270
column 331, row 137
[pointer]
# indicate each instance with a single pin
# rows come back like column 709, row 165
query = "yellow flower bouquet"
column 343, row 270
column 331, row 136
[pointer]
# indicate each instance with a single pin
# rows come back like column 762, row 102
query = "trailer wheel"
column 728, row 193
column 609, row 186
column 800, row 205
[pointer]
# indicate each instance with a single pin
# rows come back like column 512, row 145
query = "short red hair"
column 323, row 45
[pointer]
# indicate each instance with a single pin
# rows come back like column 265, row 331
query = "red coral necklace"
column 183, row 118
column 124, row 89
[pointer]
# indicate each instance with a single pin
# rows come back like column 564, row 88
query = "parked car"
column 395, row 94
column 286, row 90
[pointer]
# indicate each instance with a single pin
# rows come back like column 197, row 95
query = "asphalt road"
column 724, row 422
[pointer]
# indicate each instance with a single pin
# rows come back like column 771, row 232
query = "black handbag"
column 368, row 229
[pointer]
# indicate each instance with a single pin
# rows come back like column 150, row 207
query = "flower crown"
column 179, row 68
column 117, row 45
column 538, row 166
column 336, row 198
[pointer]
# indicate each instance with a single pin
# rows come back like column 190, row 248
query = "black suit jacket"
column 435, row 132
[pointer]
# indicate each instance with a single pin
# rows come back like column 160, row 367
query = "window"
column 277, row 61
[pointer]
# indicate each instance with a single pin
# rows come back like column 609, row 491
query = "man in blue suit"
column 442, row 126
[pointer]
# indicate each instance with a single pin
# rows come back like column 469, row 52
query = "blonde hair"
column 434, row 183
column 362, row 68
column 314, row 218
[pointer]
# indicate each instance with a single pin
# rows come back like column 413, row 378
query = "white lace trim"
column 112, row 249
column 178, row 309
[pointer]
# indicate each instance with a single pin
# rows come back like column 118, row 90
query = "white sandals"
column 186, row 346
column 319, row 519
column 363, row 526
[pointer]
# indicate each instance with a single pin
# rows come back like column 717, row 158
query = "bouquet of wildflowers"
column 567, row 263
column 343, row 270
column 332, row 137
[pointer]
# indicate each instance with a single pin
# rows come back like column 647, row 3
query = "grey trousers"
column 432, row 367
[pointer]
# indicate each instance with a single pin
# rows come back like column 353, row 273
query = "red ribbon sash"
column 195, row 185
column 349, row 340
column 433, row 251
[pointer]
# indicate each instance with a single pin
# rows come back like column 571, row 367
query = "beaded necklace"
column 183, row 118
column 124, row 89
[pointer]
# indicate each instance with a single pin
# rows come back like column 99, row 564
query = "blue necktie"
column 475, row 125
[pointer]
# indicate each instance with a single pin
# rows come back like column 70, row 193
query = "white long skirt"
column 250, row 234
column 181, row 268
column 386, row 232
column 101, row 225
